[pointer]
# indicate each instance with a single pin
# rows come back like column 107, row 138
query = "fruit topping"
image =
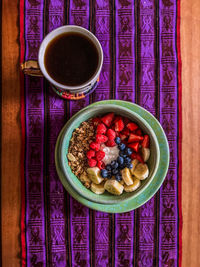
column 100, row 155
column 107, row 119
column 134, row 146
column 101, row 129
column 90, row 154
column 100, row 138
column 92, row 162
column 146, row 141
column 111, row 134
column 132, row 126
column 95, row 146
column 119, row 125
column 134, row 138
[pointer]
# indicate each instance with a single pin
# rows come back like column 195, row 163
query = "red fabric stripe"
column 180, row 131
column 22, row 51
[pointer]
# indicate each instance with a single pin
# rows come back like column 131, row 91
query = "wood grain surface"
column 10, row 185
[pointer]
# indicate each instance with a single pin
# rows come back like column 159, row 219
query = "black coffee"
column 71, row 59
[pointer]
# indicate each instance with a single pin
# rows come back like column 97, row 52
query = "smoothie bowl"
column 107, row 154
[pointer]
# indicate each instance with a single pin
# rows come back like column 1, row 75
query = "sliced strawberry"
column 134, row 138
column 101, row 165
column 137, row 156
column 100, row 155
column 96, row 120
column 132, row 126
column 110, row 143
column 146, row 141
column 101, row 129
column 119, row 125
column 138, row 132
column 122, row 136
column 111, row 134
column 126, row 131
column 134, row 146
column 126, row 120
column 90, row 154
column 116, row 118
column 100, row 138
column 107, row 119
column 92, row 162
column 95, row 146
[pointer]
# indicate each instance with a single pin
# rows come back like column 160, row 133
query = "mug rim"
column 53, row 34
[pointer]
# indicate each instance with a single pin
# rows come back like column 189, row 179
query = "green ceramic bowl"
column 94, row 110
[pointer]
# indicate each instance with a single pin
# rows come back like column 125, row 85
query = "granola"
column 79, row 144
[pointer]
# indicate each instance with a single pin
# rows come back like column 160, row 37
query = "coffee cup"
column 67, row 83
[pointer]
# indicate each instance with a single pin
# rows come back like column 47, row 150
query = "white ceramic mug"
column 32, row 68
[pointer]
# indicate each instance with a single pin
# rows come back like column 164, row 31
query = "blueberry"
column 117, row 140
column 127, row 160
column 104, row 173
column 112, row 164
column 129, row 165
column 118, row 177
column 116, row 165
column 110, row 175
column 108, row 167
column 121, row 153
column 122, row 146
column 128, row 151
column 122, row 166
column 115, row 171
column 120, row 160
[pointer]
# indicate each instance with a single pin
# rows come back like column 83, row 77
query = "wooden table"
column 10, row 186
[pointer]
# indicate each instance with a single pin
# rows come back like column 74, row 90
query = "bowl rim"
column 84, row 192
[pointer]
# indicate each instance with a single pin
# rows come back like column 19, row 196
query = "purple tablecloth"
column 139, row 40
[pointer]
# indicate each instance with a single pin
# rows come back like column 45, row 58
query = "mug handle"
column 31, row 68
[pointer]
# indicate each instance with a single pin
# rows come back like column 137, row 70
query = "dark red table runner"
column 141, row 44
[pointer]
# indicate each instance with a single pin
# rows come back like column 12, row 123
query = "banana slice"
column 134, row 162
column 121, row 182
column 114, row 187
column 94, row 175
column 84, row 178
column 145, row 153
column 98, row 188
column 134, row 186
column 126, row 176
column 141, row 171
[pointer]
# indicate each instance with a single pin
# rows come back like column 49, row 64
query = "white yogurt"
column 111, row 153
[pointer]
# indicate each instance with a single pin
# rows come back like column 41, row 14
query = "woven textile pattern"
column 139, row 41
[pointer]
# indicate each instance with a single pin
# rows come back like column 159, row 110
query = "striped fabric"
column 140, row 40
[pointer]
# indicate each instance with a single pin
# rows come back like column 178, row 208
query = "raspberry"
column 90, row 154
column 100, row 138
column 107, row 119
column 92, row 162
column 119, row 125
column 100, row 155
column 111, row 134
column 95, row 146
column 101, row 129
column 101, row 165
column 110, row 143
